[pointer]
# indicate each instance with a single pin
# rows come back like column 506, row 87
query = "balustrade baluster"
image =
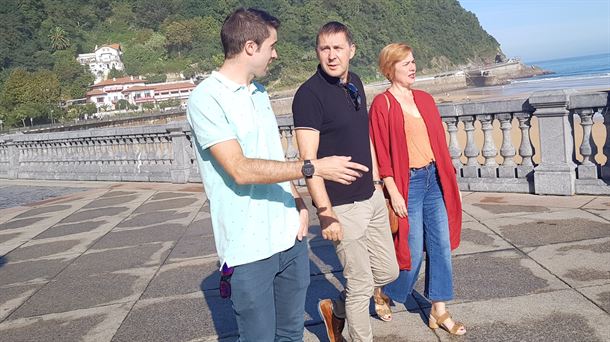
column 291, row 152
column 454, row 147
column 587, row 169
column 167, row 149
column 526, row 150
column 489, row 151
column 121, row 150
column 507, row 150
column 606, row 149
column 149, row 154
column 471, row 169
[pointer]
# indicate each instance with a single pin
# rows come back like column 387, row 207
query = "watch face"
column 308, row 170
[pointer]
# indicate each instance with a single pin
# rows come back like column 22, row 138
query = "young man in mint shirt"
column 259, row 220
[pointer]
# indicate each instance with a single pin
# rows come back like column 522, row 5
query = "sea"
column 581, row 73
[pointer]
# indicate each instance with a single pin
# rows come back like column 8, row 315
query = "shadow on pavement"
column 220, row 309
column 325, row 267
column 2, row 261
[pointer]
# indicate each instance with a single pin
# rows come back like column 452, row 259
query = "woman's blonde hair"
column 390, row 55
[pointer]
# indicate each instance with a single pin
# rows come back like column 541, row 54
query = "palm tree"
column 58, row 38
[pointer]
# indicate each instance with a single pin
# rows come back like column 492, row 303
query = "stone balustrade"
column 164, row 153
column 558, row 172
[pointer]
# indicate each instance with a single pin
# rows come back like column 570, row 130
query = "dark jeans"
column 269, row 296
column 428, row 224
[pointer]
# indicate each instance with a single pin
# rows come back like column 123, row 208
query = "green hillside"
column 39, row 39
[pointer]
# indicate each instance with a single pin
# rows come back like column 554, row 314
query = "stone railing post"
column 507, row 150
column 526, row 150
column 179, row 169
column 454, row 147
column 556, row 173
column 588, row 169
column 606, row 148
column 489, row 151
column 13, row 159
column 471, row 169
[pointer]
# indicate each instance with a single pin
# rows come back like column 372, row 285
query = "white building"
column 134, row 89
column 102, row 60
column 159, row 92
column 106, row 94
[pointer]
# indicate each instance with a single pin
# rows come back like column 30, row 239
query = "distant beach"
column 586, row 73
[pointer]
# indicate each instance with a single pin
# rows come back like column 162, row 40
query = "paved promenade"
column 102, row 261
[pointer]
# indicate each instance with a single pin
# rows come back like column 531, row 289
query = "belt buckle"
column 421, row 168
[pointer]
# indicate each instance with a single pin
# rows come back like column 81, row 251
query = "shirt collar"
column 232, row 85
column 330, row 79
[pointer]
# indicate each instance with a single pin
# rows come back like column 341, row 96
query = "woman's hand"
column 399, row 205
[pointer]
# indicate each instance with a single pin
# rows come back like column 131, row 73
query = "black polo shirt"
column 325, row 105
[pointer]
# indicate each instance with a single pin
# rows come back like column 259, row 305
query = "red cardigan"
column 388, row 135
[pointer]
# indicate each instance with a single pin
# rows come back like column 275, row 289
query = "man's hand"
column 338, row 169
column 304, row 223
column 331, row 227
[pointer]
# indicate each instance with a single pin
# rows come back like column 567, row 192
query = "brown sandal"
column 435, row 322
column 382, row 305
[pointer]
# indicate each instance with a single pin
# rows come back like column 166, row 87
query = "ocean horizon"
column 577, row 72
column 586, row 73
column 589, row 65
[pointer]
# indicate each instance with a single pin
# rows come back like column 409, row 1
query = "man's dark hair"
column 334, row 27
column 243, row 25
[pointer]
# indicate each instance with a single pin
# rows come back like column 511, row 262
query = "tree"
column 122, row 104
column 15, row 90
column 179, row 36
column 169, row 103
column 114, row 73
column 58, row 38
column 156, row 78
column 151, row 13
column 30, row 95
column 74, row 78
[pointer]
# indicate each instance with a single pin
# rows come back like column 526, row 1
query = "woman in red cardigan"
column 419, row 177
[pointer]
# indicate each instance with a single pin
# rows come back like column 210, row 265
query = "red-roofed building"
column 107, row 93
column 159, row 92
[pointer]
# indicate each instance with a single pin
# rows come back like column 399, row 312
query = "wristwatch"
column 308, row 169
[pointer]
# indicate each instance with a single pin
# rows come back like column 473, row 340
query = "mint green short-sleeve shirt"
column 250, row 222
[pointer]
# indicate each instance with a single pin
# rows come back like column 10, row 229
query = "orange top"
column 418, row 142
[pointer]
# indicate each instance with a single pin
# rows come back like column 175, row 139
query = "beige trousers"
column 368, row 259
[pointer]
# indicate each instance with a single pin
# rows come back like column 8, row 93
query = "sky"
column 537, row 30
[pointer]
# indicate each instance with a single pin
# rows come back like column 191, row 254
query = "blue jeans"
column 428, row 224
column 269, row 296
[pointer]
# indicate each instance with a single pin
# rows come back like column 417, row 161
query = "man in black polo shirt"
column 330, row 116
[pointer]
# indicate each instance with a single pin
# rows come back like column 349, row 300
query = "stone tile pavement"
column 102, row 261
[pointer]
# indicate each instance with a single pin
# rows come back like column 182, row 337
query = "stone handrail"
column 164, row 153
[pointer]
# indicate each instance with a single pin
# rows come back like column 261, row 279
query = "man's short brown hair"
column 243, row 25
column 390, row 55
column 335, row 27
